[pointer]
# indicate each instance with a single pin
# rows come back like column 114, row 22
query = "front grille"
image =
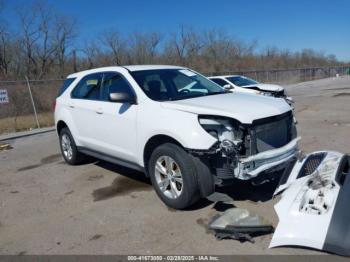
column 311, row 164
column 274, row 132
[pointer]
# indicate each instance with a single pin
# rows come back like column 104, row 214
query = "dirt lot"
column 48, row 207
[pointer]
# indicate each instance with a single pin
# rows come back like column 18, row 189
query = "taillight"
column 54, row 105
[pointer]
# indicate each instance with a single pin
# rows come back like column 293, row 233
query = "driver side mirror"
column 122, row 97
column 227, row 87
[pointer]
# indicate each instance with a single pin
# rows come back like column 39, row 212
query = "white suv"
column 182, row 130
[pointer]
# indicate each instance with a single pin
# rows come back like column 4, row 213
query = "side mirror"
column 227, row 87
column 122, row 97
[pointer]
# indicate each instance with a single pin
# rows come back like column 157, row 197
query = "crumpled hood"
column 243, row 107
column 266, row 87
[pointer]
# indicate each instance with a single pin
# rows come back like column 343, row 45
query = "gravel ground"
column 48, row 207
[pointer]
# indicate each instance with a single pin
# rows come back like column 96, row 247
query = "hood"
column 266, row 87
column 243, row 107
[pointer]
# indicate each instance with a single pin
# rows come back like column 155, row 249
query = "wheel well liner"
column 61, row 124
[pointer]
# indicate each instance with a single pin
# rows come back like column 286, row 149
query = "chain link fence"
column 29, row 104
column 289, row 76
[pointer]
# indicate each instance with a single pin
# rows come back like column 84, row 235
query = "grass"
column 27, row 122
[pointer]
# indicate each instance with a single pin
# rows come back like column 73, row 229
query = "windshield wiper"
column 185, row 97
column 217, row 93
column 197, row 95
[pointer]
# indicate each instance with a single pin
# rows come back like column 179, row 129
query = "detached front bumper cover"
column 314, row 207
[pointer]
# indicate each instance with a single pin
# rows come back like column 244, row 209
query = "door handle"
column 99, row 111
column 71, row 105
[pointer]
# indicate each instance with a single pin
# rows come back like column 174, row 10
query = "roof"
column 128, row 67
column 151, row 67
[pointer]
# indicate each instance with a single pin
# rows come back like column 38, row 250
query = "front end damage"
column 244, row 151
column 314, row 207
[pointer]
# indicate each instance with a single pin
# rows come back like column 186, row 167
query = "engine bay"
column 238, row 142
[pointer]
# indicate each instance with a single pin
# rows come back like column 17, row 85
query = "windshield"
column 241, row 81
column 174, row 84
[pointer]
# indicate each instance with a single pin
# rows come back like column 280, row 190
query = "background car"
column 246, row 85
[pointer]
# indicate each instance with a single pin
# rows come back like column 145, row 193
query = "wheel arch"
column 154, row 142
column 204, row 177
column 60, row 125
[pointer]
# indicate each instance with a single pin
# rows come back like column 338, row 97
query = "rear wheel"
column 173, row 176
column 69, row 149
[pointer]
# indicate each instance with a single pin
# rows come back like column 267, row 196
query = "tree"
column 64, row 34
column 116, row 44
column 143, row 47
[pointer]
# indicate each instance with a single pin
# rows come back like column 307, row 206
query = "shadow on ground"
column 129, row 181
column 245, row 190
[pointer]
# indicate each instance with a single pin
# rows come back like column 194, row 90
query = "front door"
column 115, row 123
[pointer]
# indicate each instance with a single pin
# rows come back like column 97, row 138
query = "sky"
column 322, row 25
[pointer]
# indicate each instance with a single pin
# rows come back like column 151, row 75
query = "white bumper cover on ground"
column 314, row 208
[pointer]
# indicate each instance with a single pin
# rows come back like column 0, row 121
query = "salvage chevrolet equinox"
column 185, row 132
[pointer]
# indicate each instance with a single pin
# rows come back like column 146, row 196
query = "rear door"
column 84, row 109
column 115, row 125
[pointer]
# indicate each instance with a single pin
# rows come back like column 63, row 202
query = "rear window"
column 65, row 85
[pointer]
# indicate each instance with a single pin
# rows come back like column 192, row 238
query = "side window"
column 112, row 83
column 65, row 85
column 219, row 81
column 88, row 87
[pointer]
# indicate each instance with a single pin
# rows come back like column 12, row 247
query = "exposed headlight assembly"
column 221, row 127
column 263, row 93
column 226, row 130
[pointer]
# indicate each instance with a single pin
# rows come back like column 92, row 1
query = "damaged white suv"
column 184, row 131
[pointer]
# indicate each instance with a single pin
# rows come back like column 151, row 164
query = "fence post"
column 267, row 76
column 33, row 104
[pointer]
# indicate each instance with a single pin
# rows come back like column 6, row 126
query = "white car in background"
column 246, row 85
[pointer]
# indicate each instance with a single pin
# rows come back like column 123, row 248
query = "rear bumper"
column 272, row 159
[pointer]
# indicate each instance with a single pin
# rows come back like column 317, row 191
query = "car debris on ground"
column 313, row 211
column 240, row 224
column 4, row 147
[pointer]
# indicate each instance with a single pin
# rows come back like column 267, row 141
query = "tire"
column 69, row 149
column 172, row 163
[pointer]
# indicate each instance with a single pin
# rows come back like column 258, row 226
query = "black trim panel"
column 111, row 159
column 338, row 235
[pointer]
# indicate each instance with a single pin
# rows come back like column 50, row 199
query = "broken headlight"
column 221, row 127
column 226, row 130
column 263, row 93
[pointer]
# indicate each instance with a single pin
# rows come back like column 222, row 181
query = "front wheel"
column 173, row 176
